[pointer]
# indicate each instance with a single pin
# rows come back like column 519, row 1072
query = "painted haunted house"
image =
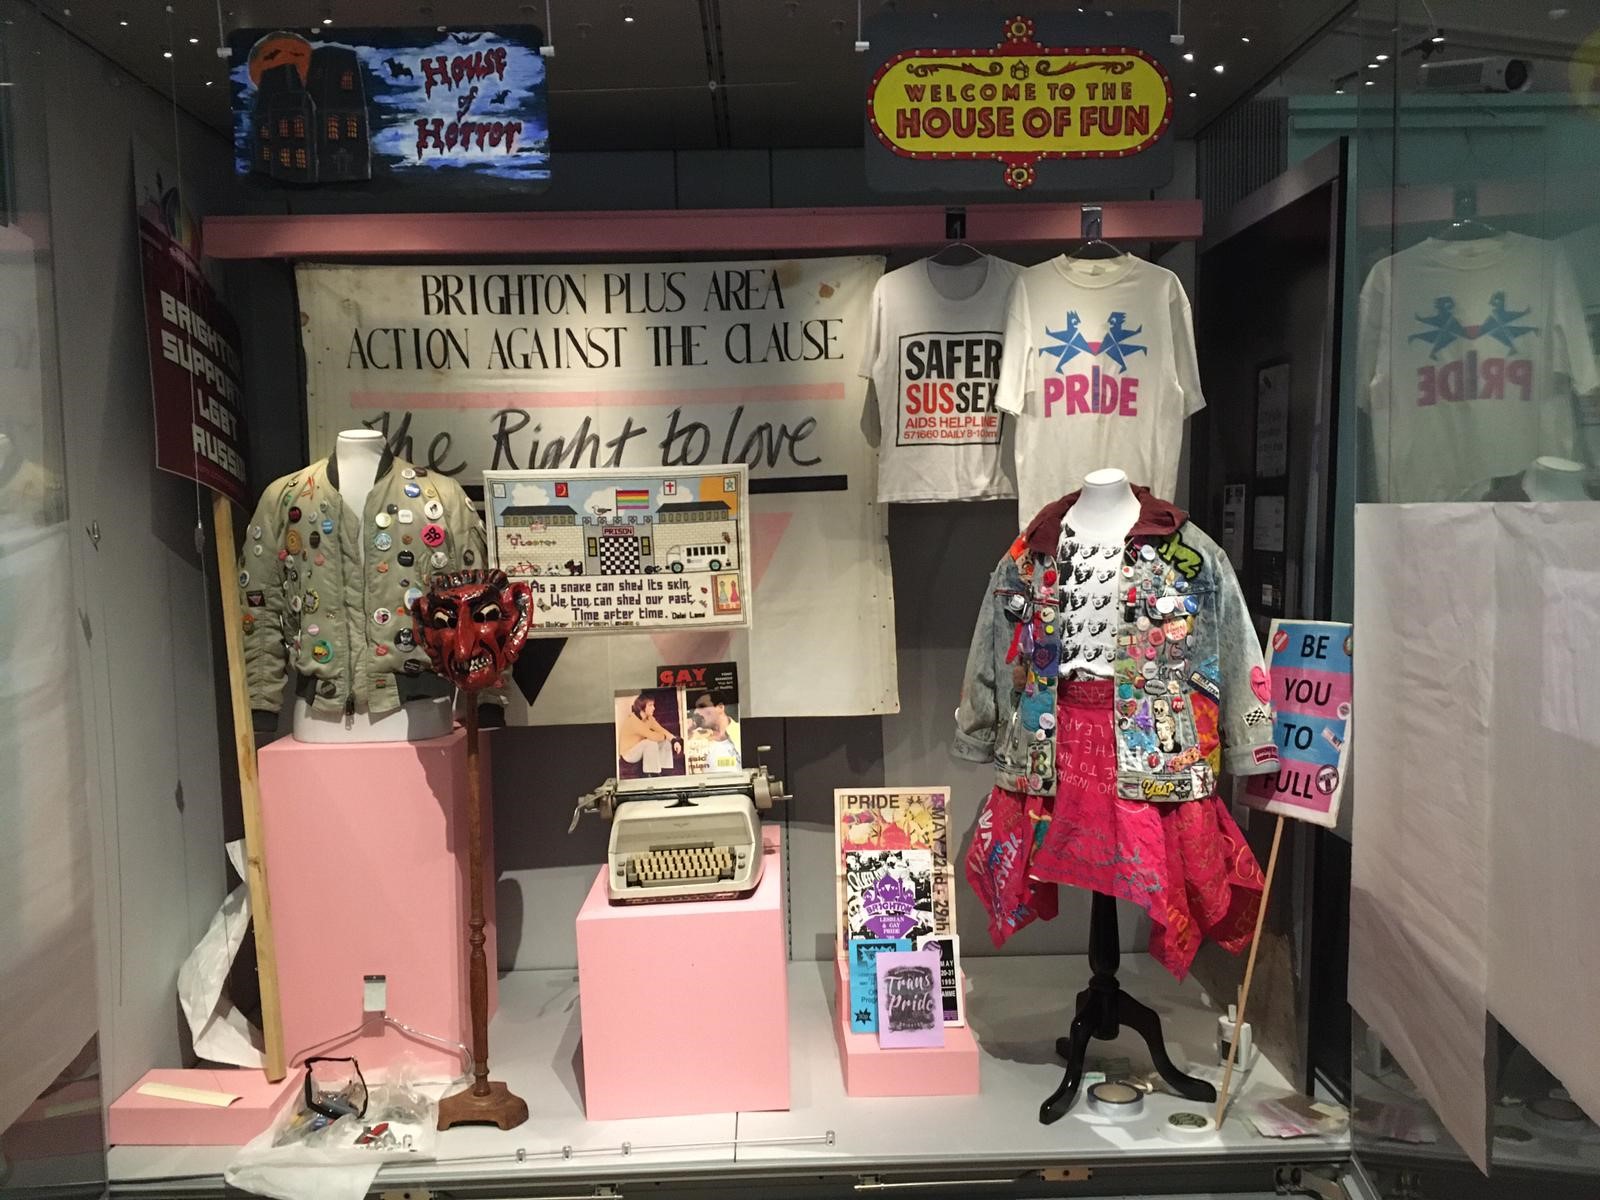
column 313, row 130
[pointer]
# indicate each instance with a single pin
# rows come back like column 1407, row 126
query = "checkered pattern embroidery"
column 619, row 556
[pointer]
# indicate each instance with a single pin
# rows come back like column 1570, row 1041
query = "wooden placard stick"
column 1249, row 970
column 244, row 748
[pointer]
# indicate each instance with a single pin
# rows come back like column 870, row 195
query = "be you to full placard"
column 1310, row 677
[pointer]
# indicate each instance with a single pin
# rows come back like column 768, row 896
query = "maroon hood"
column 1157, row 518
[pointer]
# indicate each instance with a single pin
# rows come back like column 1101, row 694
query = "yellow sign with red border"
column 1020, row 102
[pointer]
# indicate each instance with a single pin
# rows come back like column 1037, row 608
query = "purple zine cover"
column 910, row 1007
column 888, row 893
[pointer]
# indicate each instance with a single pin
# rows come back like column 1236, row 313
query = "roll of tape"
column 1116, row 1100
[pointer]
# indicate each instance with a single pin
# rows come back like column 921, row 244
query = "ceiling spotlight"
column 1338, row 91
column 1217, row 68
column 165, row 53
column 194, row 41
column 208, row 82
column 627, row 14
column 327, row 20
column 1244, row 39
column 1381, row 57
column 1192, row 95
column 1370, row 82
column 1437, row 38
column 1189, row 56
column 1372, row 66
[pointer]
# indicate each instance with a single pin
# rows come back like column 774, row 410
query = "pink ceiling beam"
column 681, row 231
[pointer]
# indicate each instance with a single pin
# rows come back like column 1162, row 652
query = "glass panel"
column 50, row 1096
column 1475, row 231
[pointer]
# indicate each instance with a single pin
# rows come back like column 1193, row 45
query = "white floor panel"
column 1018, row 1007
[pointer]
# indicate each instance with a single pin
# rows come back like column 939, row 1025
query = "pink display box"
column 136, row 1120
column 685, row 1007
column 870, row 1070
column 366, row 849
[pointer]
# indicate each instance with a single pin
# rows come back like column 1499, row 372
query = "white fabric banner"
column 1474, row 871
column 1424, row 728
column 467, row 369
column 1544, row 941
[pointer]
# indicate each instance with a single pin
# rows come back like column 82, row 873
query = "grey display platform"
column 1018, row 1007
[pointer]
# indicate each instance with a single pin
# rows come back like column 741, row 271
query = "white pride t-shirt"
column 933, row 355
column 1470, row 353
column 1099, row 366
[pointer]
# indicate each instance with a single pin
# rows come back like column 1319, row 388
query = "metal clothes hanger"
column 957, row 254
column 1466, row 227
column 1094, row 246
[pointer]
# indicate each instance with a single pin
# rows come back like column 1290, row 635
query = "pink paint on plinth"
column 685, row 1007
column 135, row 1120
column 367, row 867
column 870, row 1070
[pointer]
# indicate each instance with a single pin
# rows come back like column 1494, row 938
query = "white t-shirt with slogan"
column 1470, row 355
column 1099, row 366
column 933, row 355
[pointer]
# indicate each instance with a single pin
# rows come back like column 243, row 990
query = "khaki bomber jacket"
column 328, row 591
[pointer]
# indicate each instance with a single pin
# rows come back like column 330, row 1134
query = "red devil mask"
column 473, row 624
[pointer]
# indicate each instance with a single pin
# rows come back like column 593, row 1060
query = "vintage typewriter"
column 697, row 838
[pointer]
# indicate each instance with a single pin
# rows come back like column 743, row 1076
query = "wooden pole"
column 1249, row 970
column 486, row 1102
column 478, row 963
column 244, row 749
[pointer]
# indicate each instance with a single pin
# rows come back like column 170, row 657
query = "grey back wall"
column 942, row 555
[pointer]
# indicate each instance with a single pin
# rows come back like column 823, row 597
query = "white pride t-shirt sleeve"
column 872, row 344
column 1016, row 359
column 1185, row 361
column 1574, row 352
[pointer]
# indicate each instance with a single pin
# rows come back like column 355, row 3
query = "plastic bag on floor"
column 219, row 1030
column 307, row 1155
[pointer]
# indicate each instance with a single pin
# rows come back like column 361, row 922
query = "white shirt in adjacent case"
column 1470, row 352
column 1100, row 368
column 933, row 355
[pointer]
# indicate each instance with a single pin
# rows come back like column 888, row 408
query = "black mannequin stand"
column 1103, row 1009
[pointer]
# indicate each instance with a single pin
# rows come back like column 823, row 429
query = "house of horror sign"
column 1020, row 94
column 661, row 366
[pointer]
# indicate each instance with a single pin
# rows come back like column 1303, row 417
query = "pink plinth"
column 366, row 849
column 685, row 1006
column 136, row 1120
column 870, row 1070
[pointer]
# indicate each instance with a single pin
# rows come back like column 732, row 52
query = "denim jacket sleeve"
column 1248, row 745
column 978, row 716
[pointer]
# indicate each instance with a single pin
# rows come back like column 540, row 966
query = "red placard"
column 194, row 368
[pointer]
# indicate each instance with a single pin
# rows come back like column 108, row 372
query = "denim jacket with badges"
column 1186, row 670
column 327, row 590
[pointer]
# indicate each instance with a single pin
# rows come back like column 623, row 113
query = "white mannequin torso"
column 357, row 453
column 1106, row 509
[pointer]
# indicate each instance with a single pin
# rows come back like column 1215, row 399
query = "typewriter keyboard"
column 683, row 864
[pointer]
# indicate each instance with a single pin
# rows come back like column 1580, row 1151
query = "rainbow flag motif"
column 633, row 498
